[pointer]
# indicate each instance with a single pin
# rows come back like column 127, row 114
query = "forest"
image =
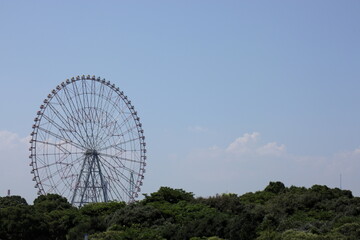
column 277, row 212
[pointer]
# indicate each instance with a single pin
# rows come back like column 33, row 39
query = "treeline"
column 277, row 212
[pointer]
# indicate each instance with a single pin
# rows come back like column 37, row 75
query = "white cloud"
column 272, row 148
column 243, row 144
column 247, row 164
column 356, row 152
column 9, row 140
column 15, row 170
column 249, row 144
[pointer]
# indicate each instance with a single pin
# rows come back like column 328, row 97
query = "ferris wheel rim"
column 82, row 145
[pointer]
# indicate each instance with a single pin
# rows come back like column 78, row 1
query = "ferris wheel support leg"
column 87, row 179
column 103, row 183
column 78, row 182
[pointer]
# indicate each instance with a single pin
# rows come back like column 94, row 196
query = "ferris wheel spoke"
column 113, row 168
column 97, row 129
column 87, row 105
column 86, row 131
column 121, row 174
column 57, row 145
column 48, row 182
column 98, row 106
column 124, row 142
column 115, row 190
column 52, row 154
column 71, row 176
column 97, row 114
column 121, row 143
column 68, row 129
column 90, row 104
column 55, row 184
column 61, row 129
column 58, row 181
column 93, row 93
column 80, row 102
column 113, row 178
column 75, row 110
column 92, row 125
column 64, row 189
column 53, row 174
column 107, row 98
column 117, row 127
column 106, row 95
column 130, row 130
column 52, row 164
column 70, row 113
column 75, row 163
column 126, row 120
column 115, row 145
column 61, row 138
column 106, row 134
column 59, row 170
column 59, row 154
column 120, row 107
column 65, row 110
column 116, row 159
column 110, row 183
column 49, row 186
column 63, row 120
column 120, row 158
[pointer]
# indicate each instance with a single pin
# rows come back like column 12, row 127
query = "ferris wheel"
column 87, row 143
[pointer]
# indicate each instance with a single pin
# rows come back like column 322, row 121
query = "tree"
column 349, row 230
column 10, row 201
column 101, row 208
column 58, row 214
column 299, row 235
column 170, row 195
column 143, row 215
column 22, row 223
column 51, row 202
column 229, row 203
column 134, row 232
column 275, row 187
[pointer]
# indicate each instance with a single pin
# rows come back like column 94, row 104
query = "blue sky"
column 232, row 94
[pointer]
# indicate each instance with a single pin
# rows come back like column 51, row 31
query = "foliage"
column 134, row 233
column 206, row 238
column 20, row 222
column 275, row 187
column 144, row 215
column 276, row 213
column 101, row 209
column 11, row 201
column 51, row 202
column 169, row 195
column 226, row 203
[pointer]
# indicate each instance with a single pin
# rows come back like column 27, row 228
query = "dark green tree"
column 51, row 202
column 275, row 187
column 11, row 201
column 170, row 195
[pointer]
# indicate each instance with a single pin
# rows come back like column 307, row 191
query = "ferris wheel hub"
column 91, row 152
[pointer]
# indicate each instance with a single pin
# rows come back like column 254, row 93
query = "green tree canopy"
column 10, row 201
column 170, row 195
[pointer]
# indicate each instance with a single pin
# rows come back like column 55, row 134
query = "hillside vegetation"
column 277, row 212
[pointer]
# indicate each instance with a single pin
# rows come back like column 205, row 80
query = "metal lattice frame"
column 87, row 143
